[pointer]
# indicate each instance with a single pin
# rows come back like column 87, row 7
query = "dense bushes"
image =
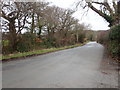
column 49, row 43
column 5, row 47
column 25, row 42
column 30, row 41
column 103, row 37
column 81, row 37
column 111, row 39
column 114, row 37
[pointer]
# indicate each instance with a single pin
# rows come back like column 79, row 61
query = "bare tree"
column 109, row 10
column 37, row 15
column 14, row 15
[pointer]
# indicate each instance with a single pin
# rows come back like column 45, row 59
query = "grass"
column 17, row 55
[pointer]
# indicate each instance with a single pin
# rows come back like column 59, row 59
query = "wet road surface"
column 71, row 68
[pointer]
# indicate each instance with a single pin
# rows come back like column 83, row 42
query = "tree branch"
column 106, row 5
column 96, row 10
column 4, row 16
column 21, row 27
column 106, row 17
column 98, row 3
column 115, row 6
column 108, row 8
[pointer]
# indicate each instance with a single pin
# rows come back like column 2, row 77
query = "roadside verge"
column 35, row 53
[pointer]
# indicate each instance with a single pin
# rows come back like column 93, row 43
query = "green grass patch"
column 17, row 55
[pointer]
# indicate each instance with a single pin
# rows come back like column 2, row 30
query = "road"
column 71, row 68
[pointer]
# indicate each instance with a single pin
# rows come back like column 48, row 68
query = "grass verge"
column 39, row 52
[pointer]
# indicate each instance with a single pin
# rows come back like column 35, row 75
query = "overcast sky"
column 92, row 18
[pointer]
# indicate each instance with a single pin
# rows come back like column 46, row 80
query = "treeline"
column 111, row 39
column 28, row 26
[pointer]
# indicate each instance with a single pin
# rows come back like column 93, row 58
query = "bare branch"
column 96, row 10
column 106, row 5
column 115, row 6
column 4, row 16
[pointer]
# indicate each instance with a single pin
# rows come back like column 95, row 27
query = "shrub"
column 49, row 42
column 114, row 37
column 103, row 37
column 26, row 43
column 81, row 37
column 5, row 43
column 6, row 47
column 115, row 33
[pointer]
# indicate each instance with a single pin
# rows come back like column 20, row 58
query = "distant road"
column 71, row 68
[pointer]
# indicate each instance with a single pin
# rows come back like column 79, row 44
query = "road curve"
column 71, row 68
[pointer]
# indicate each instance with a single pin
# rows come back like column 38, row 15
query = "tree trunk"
column 39, row 26
column 39, row 32
column 32, row 25
column 77, row 37
column 12, row 35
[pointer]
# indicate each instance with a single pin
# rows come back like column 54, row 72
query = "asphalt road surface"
column 71, row 68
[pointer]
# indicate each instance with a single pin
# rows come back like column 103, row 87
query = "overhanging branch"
column 106, row 17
